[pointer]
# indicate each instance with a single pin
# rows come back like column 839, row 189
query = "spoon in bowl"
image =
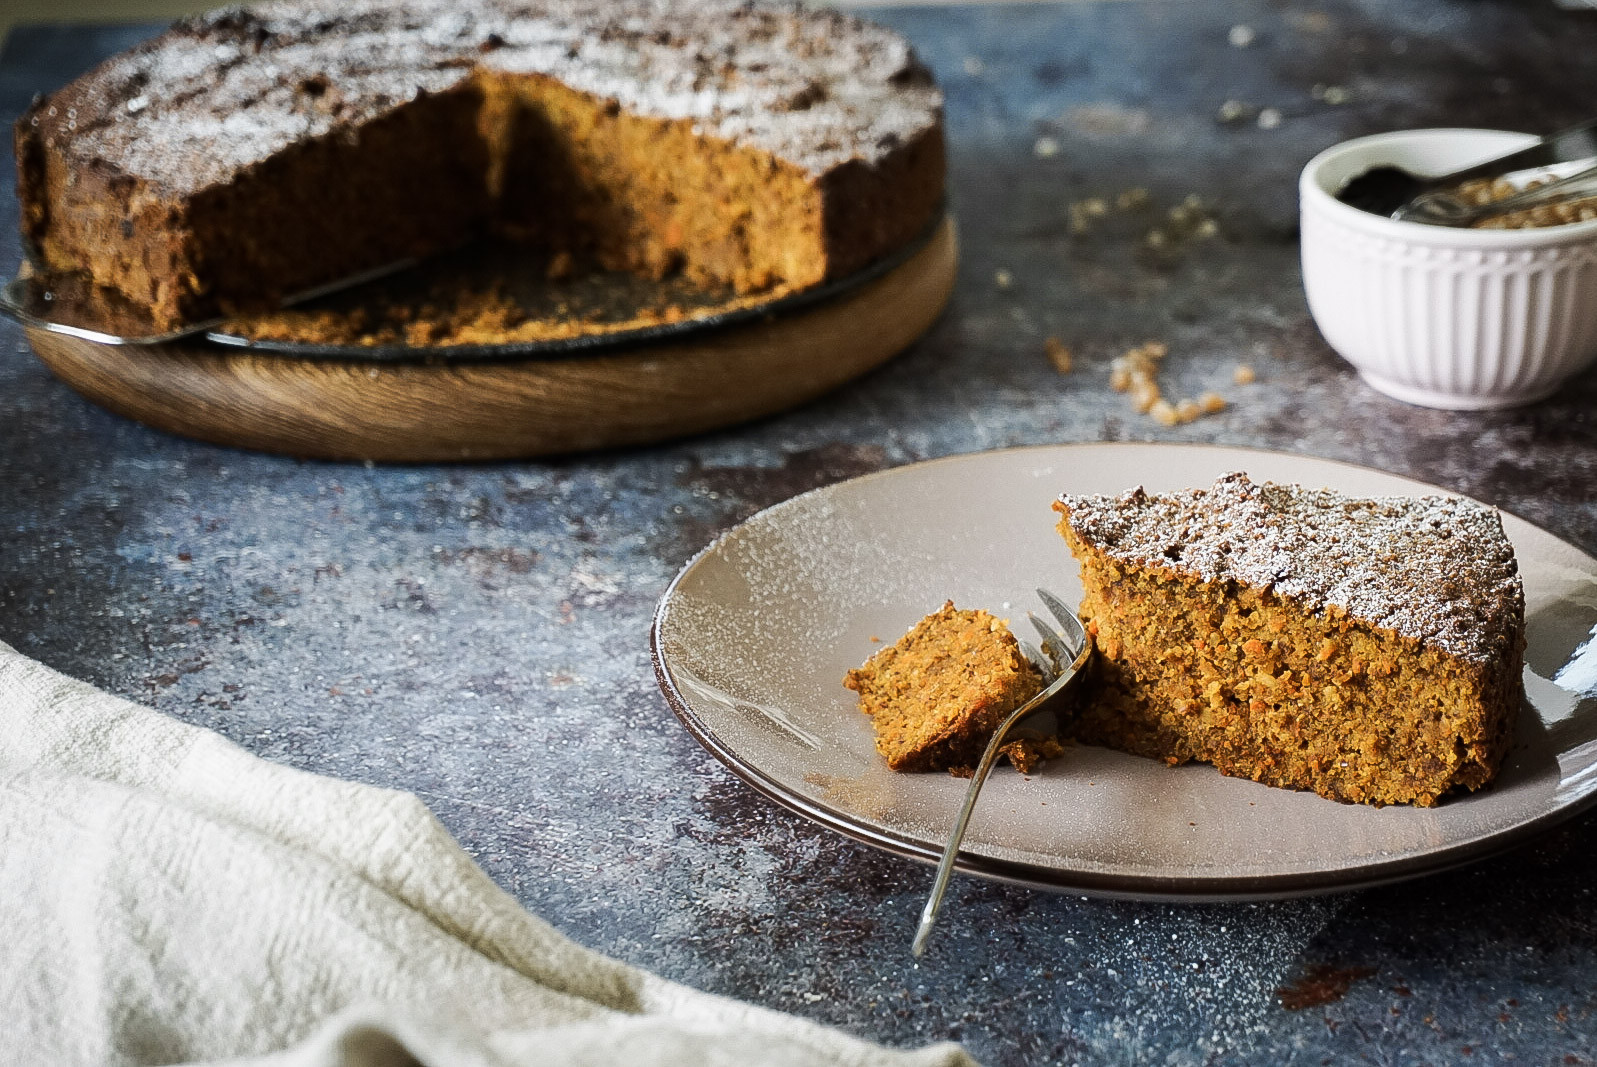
column 1399, row 194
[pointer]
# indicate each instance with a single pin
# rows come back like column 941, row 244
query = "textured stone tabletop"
column 478, row 634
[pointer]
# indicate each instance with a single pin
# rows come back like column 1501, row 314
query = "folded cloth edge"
column 64, row 727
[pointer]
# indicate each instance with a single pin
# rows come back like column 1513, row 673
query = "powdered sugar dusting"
column 227, row 90
column 1436, row 569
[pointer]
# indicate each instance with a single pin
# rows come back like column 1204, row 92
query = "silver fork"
column 1064, row 653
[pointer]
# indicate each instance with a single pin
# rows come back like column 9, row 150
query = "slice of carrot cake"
column 1367, row 649
column 937, row 695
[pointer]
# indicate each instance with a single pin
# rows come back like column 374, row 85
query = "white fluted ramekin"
column 1443, row 317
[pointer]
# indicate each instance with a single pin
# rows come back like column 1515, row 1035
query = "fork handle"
column 945, row 868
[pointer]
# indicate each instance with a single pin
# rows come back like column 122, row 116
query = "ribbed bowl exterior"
column 1450, row 318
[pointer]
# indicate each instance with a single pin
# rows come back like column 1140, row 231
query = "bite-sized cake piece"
column 937, row 695
column 260, row 150
column 1369, row 650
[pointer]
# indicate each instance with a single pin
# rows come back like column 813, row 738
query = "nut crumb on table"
column 1136, row 372
column 1059, row 355
column 1232, row 111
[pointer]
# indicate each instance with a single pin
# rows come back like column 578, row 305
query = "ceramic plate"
column 752, row 639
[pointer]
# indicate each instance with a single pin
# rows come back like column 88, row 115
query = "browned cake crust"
column 258, row 151
column 936, row 696
column 1369, row 650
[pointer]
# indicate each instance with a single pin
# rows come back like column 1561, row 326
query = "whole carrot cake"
column 936, row 696
column 1369, row 650
column 262, row 150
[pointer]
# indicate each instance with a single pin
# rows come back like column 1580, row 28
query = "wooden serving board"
column 415, row 412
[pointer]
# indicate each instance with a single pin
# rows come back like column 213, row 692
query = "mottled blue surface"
column 478, row 634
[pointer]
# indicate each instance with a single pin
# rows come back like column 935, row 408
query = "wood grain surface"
column 500, row 410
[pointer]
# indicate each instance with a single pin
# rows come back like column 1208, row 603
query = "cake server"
column 1064, row 653
column 68, row 302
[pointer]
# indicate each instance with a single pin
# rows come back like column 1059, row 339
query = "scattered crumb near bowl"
column 1058, row 354
column 1003, row 279
column 1184, row 223
column 1244, row 374
column 1136, row 372
column 1132, row 199
column 1232, row 111
column 1083, row 212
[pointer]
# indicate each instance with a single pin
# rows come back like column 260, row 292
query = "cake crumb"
column 1132, row 199
column 1243, row 375
column 1144, row 397
column 1270, row 118
column 1136, row 372
column 1058, row 355
column 936, row 696
column 561, row 266
column 1082, row 212
column 1241, row 36
column 1046, row 147
column 1003, row 279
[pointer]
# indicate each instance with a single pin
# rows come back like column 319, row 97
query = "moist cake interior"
column 1369, row 650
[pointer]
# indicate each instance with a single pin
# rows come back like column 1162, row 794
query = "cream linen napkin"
column 166, row 897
